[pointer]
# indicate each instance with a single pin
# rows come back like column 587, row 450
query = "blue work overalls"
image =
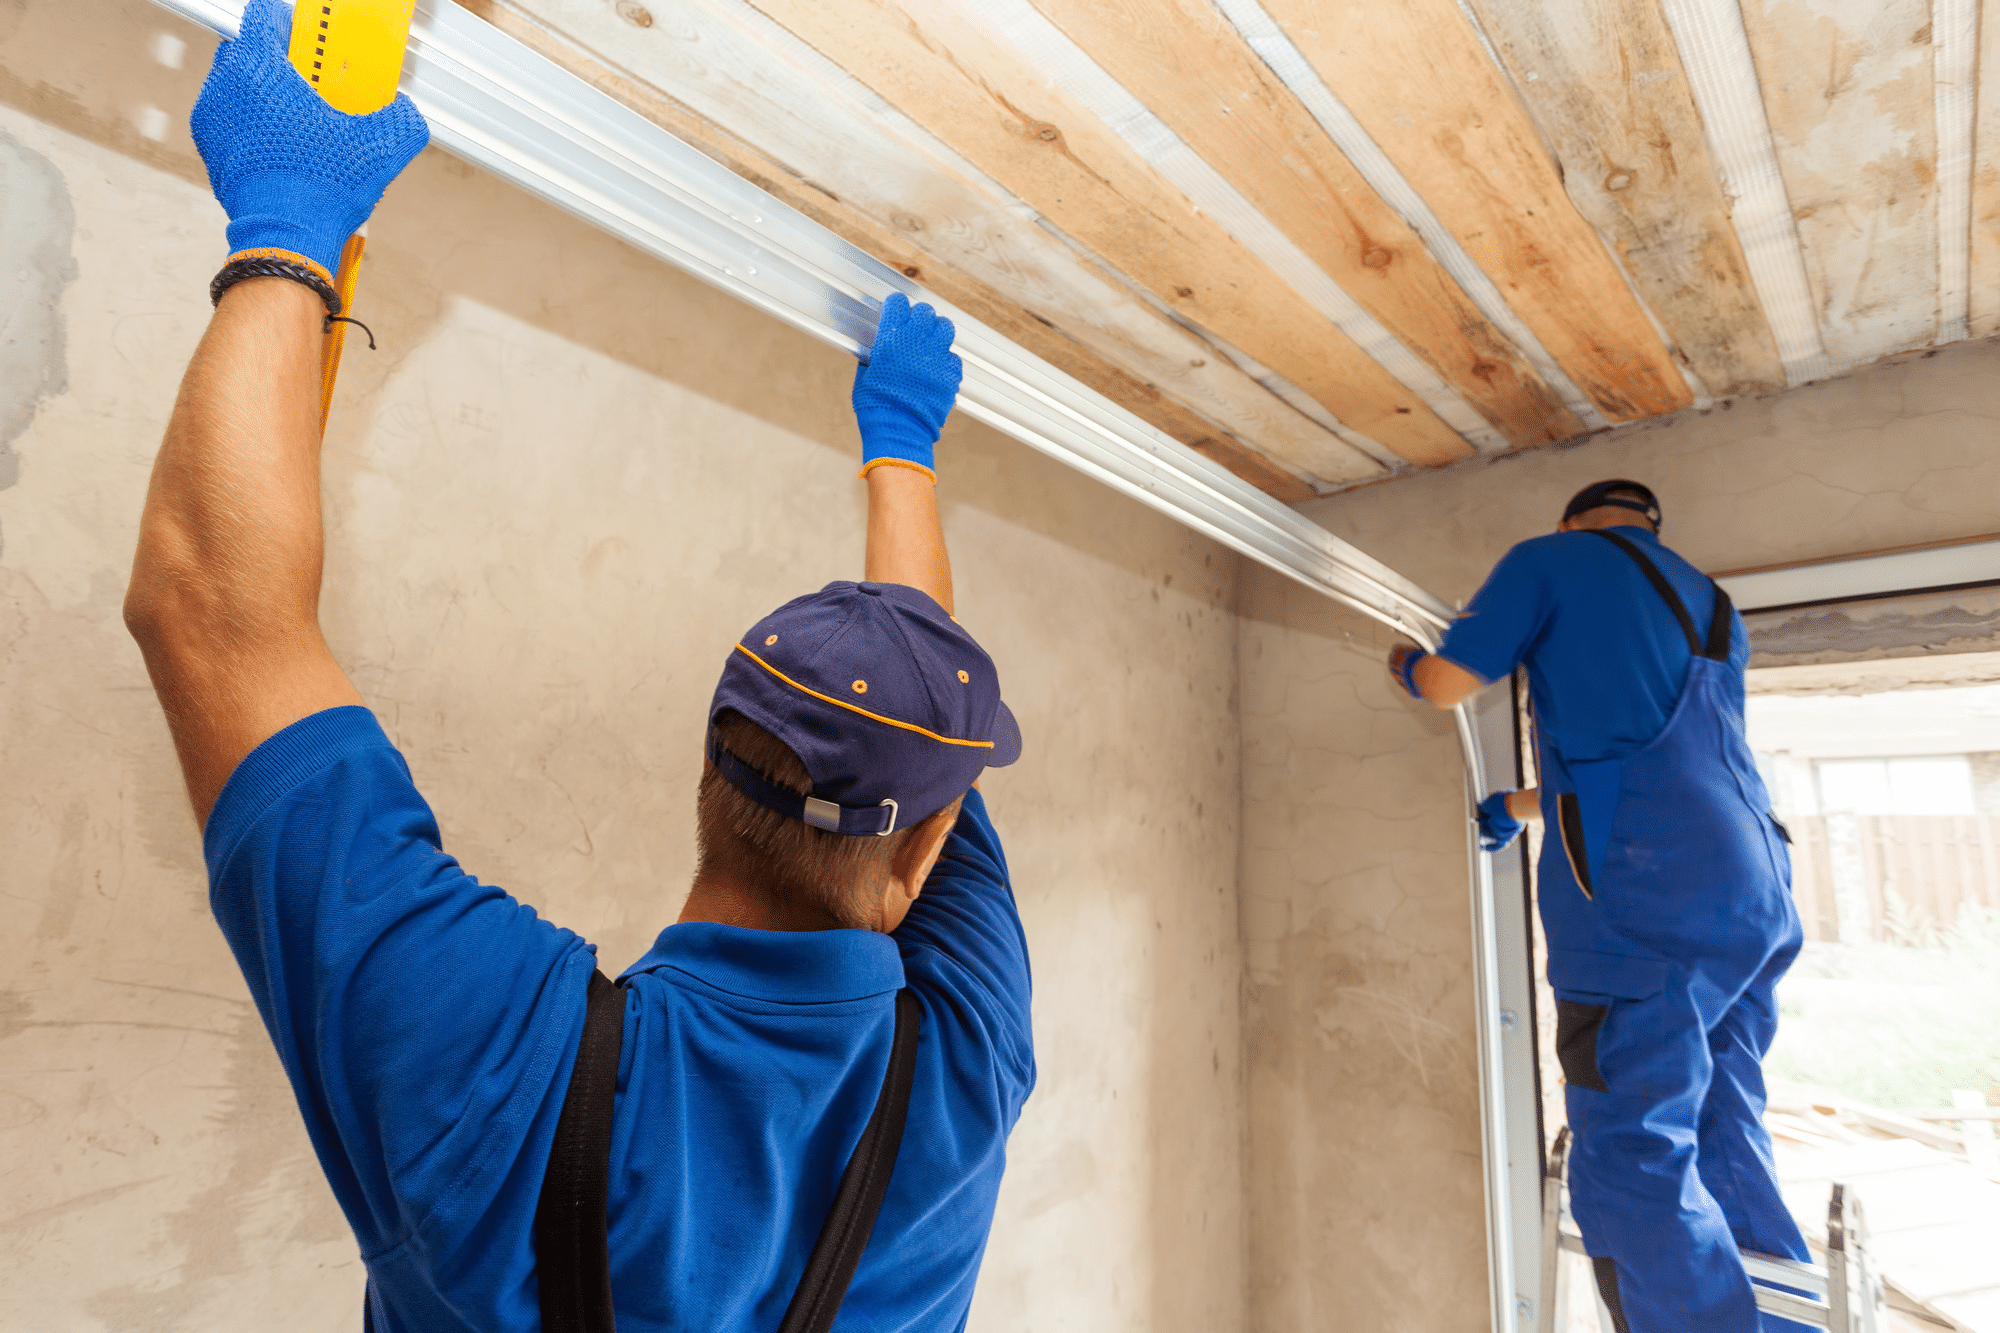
column 1665, row 889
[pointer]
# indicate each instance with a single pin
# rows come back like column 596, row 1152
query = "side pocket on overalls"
column 1584, row 817
column 1569, row 824
column 1577, row 1026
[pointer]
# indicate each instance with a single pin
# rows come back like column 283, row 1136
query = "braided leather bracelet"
column 264, row 266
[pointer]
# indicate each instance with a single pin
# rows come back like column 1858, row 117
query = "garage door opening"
column 1887, row 1062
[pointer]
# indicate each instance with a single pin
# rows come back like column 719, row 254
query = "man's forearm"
column 905, row 535
column 224, row 598
column 1445, row 683
column 232, row 516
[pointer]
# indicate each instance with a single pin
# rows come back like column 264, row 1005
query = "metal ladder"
column 1843, row 1297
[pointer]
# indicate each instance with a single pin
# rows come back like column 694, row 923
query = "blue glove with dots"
column 295, row 176
column 1497, row 825
column 904, row 390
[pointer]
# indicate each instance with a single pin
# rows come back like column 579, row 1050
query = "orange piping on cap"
column 842, row 703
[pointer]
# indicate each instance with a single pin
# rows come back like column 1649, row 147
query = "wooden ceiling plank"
column 1192, row 69
column 1984, row 315
column 1416, row 76
column 946, row 72
column 1847, row 90
column 919, row 215
column 1604, row 81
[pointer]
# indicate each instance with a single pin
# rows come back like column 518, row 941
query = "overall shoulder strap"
column 1664, row 588
column 573, row 1257
column 1718, row 626
column 572, row 1254
column 837, row 1252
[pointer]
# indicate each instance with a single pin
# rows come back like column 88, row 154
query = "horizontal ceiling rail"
column 513, row 112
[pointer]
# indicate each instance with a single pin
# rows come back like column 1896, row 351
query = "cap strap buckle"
column 849, row 820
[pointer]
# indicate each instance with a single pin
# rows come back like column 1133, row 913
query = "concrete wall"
column 1896, row 454
column 1366, row 1205
column 556, row 494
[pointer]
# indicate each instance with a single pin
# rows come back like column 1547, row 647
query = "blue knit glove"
column 295, row 176
column 905, row 389
column 1497, row 827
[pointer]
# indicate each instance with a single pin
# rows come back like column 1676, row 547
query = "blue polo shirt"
column 428, row 1023
column 1606, row 658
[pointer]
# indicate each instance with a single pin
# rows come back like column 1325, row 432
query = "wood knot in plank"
column 635, row 14
column 1378, row 257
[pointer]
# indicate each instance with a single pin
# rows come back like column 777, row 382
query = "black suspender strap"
column 1717, row 646
column 1718, row 625
column 572, row 1254
column 573, row 1260
column 837, row 1252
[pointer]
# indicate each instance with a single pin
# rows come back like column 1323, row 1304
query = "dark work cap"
column 1598, row 493
column 892, row 706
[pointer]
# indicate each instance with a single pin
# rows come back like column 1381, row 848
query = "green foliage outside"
column 1896, row 1025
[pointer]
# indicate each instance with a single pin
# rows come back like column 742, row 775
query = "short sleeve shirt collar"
column 779, row 966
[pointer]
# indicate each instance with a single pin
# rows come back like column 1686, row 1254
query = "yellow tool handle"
column 351, row 52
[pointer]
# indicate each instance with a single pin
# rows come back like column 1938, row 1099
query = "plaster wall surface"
column 1366, row 1202
column 565, row 484
column 1897, row 454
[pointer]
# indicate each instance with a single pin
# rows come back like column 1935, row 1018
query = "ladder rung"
column 1761, row 1268
column 1787, row 1306
column 1786, row 1272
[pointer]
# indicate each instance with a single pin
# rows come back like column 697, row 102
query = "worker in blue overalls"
column 1665, row 890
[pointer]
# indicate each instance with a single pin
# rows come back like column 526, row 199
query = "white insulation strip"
column 1715, row 51
column 1955, row 59
column 1071, row 69
column 1263, row 35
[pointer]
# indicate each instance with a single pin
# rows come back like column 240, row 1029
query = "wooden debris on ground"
column 1933, row 1218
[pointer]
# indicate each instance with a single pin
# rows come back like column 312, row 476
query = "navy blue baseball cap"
column 1599, row 493
column 893, row 708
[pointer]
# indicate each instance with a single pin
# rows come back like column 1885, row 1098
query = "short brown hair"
column 792, row 863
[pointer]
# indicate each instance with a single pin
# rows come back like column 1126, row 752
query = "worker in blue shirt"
column 850, row 886
column 1665, row 894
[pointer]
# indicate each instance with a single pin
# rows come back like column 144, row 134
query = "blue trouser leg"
column 1735, row 1149
column 1635, row 1179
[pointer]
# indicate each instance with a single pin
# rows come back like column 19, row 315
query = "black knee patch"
column 1577, row 1026
column 1607, row 1287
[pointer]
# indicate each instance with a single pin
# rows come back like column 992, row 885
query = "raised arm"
column 902, row 394
column 224, row 598
column 1439, row 682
